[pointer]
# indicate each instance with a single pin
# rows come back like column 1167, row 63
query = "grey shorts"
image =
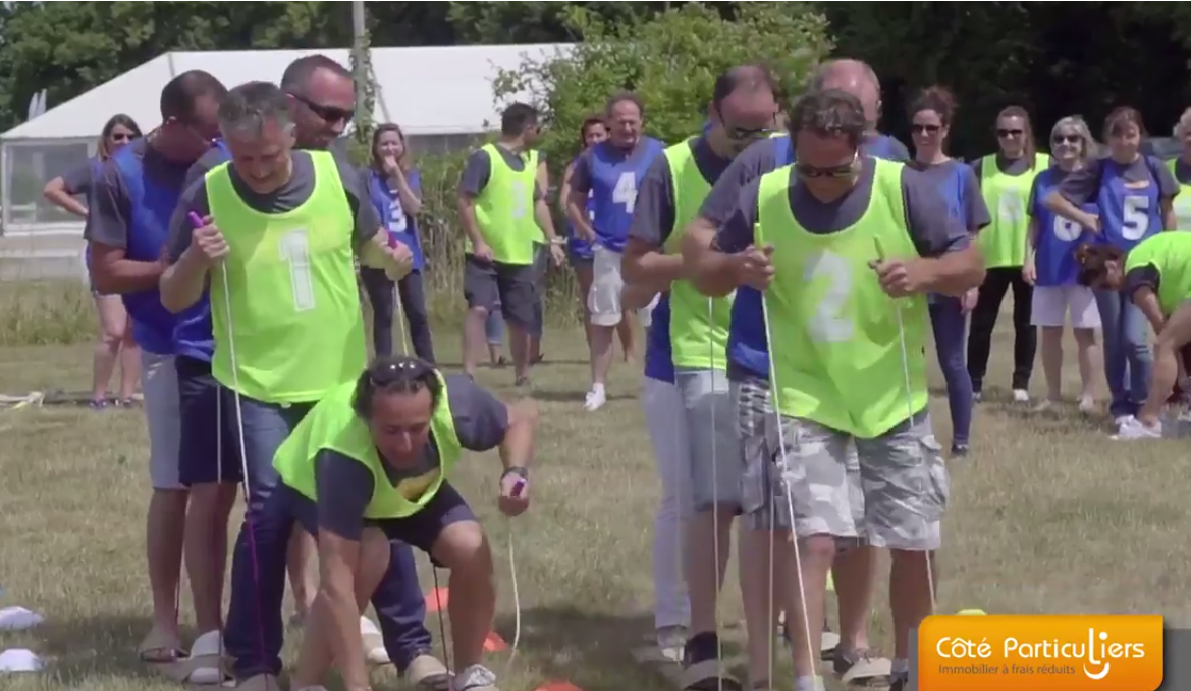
column 715, row 468
column 890, row 491
column 512, row 286
column 159, row 379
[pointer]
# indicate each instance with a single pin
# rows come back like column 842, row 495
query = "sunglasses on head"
column 1065, row 139
column 1003, row 133
column 407, row 370
column 925, row 129
column 328, row 113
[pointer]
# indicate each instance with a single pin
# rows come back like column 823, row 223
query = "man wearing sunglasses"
column 372, row 463
column 690, row 400
column 280, row 232
column 133, row 197
column 855, row 569
column 830, row 240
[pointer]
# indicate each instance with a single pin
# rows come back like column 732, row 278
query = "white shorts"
column 606, row 284
column 1051, row 304
column 159, row 379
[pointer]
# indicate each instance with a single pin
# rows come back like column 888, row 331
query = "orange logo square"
column 1054, row 653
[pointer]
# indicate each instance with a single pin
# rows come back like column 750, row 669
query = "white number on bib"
column 625, row 191
column 1136, row 217
column 1066, row 229
column 398, row 223
column 829, row 325
column 520, row 205
column 295, row 251
column 1009, row 208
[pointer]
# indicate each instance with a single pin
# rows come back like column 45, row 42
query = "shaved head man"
column 856, row 78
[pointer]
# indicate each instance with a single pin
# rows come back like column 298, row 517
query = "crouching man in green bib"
column 838, row 243
column 371, row 463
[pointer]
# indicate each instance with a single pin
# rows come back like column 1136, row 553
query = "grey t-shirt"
column 345, row 485
column 1082, row 186
column 761, row 158
column 932, row 228
column 80, row 179
column 289, row 196
column 111, row 209
column 653, row 217
column 478, row 170
column 974, row 212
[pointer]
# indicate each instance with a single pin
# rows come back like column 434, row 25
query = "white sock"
column 597, row 389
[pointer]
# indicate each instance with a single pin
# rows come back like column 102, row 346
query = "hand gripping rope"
column 442, row 630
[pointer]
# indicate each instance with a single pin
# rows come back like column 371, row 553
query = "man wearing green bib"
column 281, row 230
column 503, row 211
column 741, row 111
column 1156, row 276
column 372, row 463
column 840, row 242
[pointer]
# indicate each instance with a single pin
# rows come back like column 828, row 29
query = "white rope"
column 715, row 503
column 774, row 388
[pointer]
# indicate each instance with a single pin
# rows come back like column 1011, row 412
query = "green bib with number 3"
column 333, row 425
column 1003, row 240
column 295, row 321
column 836, row 346
column 1170, row 255
column 698, row 334
column 504, row 210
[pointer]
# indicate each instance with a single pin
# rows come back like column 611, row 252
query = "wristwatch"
column 558, row 241
column 520, row 471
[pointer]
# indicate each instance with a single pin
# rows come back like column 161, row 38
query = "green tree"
column 671, row 61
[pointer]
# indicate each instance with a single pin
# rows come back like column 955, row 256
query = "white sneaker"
column 474, row 678
column 1133, row 429
column 671, row 640
column 596, row 398
column 1121, row 420
column 1021, row 396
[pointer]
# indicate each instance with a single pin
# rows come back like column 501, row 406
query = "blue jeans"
column 254, row 632
column 1127, row 359
column 949, row 323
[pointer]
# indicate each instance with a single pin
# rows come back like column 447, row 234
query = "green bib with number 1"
column 295, row 320
column 504, row 210
column 836, row 348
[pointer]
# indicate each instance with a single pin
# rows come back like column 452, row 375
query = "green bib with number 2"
column 504, row 210
column 295, row 320
column 836, row 346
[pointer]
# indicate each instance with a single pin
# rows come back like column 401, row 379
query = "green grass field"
column 1047, row 516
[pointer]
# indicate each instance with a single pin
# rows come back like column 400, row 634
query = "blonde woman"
column 115, row 329
column 1052, row 269
column 1181, row 169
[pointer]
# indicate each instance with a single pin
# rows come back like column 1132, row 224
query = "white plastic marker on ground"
column 19, row 660
column 18, row 619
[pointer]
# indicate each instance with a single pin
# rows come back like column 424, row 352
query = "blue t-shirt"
column 1057, row 237
column 748, row 349
column 659, row 364
column 400, row 225
column 615, row 180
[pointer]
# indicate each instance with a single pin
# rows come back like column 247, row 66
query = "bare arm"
column 466, row 208
column 564, row 191
column 517, row 448
column 55, row 192
column 339, row 562
column 113, row 273
column 541, row 213
column 411, row 203
column 955, row 273
column 1147, row 302
column 712, row 272
column 644, row 264
column 637, row 295
column 183, row 283
column 1169, row 220
column 1057, row 203
column 1175, row 334
column 577, row 214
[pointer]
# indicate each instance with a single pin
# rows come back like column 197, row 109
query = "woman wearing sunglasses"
column 372, row 462
column 395, row 187
column 931, row 115
column 1005, row 181
column 115, row 329
column 1052, row 269
column 1133, row 195
column 1181, row 168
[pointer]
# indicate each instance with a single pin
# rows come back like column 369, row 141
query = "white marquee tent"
column 441, row 96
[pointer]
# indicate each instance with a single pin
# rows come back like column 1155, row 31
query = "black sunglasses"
column 328, row 113
column 1065, row 139
column 741, row 133
column 1003, row 133
column 833, row 172
column 925, row 129
column 120, row 137
column 401, row 370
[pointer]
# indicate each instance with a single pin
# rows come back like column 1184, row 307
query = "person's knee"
column 818, row 548
column 374, row 562
column 463, row 547
column 1084, row 337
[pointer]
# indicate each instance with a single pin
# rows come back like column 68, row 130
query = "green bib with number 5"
column 1003, row 240
column 295, row 319
column 836, row 347
column 504, row 210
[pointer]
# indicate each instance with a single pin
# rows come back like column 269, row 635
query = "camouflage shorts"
column 890, row 491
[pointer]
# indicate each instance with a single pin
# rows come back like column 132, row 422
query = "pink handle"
column 195, row 219
column 518, row 488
